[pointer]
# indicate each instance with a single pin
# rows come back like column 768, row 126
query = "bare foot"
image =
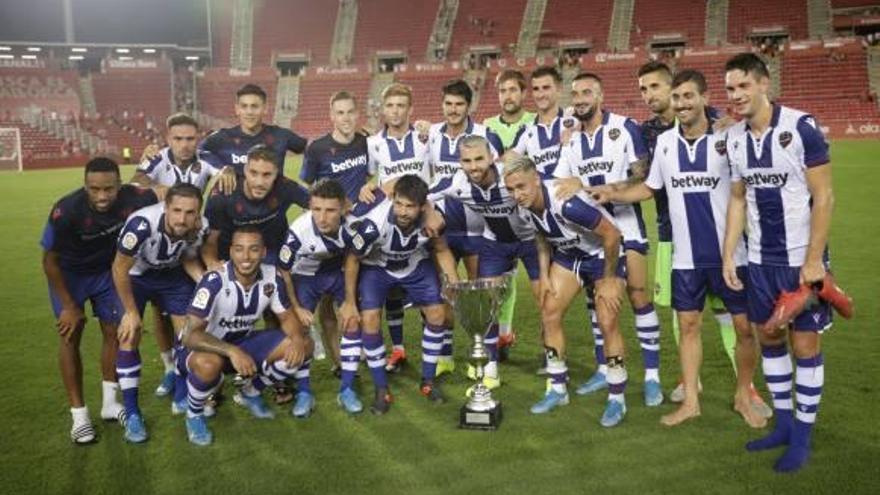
column 749, row 413
column 684, row 413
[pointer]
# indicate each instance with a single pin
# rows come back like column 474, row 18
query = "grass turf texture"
column 417, row 448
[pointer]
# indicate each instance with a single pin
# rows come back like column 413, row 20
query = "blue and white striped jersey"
column 540, row 142
column 163, row 171
column 568, row 225
column 232, row 311
column 696, row 177
column 144, row 238
column 391, row 158
column 604, row 158
column 306, row 251
column 773, row 167
column 494, row 204
column 375, row 237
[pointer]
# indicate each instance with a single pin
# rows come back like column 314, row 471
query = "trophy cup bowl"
column 475, row 304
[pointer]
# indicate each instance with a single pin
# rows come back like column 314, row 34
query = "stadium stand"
column 744, row 16
column 313, row 117
column 652, row 19
column 134, row 90
column 216, row 90
column 427, row 98
column 50, row 89
column 293, row 26
column 483, row 23
column 831, row 84
column 415, row 18
column 560, row 23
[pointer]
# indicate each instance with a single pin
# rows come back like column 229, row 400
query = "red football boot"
column 789, row 305
column 829, row 291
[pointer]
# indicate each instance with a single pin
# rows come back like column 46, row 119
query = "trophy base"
column 480, row 420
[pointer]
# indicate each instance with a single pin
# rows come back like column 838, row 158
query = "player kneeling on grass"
column 220, row 334
column 389, row 248
column 691, row 165
column 156, row 260
column 586, row 252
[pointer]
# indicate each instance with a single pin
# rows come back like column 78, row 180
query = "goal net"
column 10, row 149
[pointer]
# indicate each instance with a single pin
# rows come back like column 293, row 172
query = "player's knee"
column 435, row 315
column 205, row 365
column 805, row 344
column 638, row 295
column 370, row 320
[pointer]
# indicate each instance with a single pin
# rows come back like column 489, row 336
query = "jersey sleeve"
column 133, row 235
column 280, row 300
column 564, row 165
column 578, row 211
column 520, row 141
column 494, row 143
column 205, row 295
column 210, row 156
column 57, row 229
column 149, row 167
column 216, row 212
column 360, row 236
column 296, row 194
column 637, row 148
column 309, row 171
column 655, row 175
column 440, row 189
column 814, row 143
column 143, row 196
column 288, row 251
column 295, row 142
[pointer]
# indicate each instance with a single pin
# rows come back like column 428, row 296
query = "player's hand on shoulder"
column 150, row 152
column 242, row 362
column 422, row 127
column 601, row 194
column 723, row 123
column 227, row 180
column 68, row 320
column 366, row 195
column 433, row 223
column 568, row 187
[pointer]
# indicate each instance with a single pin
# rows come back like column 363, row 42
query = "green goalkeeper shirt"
column 507, row 132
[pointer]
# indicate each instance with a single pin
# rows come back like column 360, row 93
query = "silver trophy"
column 476, row 304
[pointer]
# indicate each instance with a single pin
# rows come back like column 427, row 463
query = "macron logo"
column 766, row 180
column 595, row 167
column 692, row 181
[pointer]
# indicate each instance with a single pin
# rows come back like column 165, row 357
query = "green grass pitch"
column 417, row 448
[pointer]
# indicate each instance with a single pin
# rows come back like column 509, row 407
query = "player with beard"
column 609, row 150
column 691, row 165
column 157, row 260
column 511, row 86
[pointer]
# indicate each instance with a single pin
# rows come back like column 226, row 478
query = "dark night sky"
column 181, row 22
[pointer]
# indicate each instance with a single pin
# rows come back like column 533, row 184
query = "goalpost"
column 10, row 149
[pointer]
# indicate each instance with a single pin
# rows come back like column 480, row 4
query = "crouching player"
column 156, row 260
column 389, row 238
column 586, row 252
column 220, row 336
